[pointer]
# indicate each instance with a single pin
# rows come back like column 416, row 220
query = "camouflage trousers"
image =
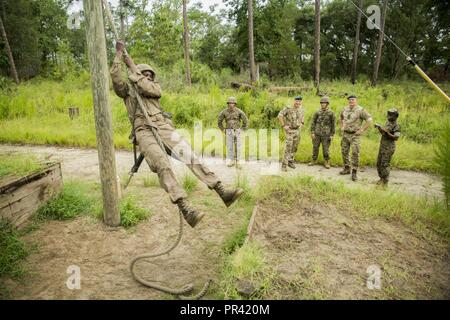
column 292, row 141
column 233, row 140
column 384, row 159
column 158, row 160
column 326, row 142
column 350, row 141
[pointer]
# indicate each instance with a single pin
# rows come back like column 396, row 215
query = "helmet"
column 393, row 112
column 298, row 98
column 325, row 100
column 232, row 100
column 145, row 67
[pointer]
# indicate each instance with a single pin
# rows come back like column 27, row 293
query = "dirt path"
column 83, row 164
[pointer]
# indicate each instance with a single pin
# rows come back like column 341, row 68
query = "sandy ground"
column 301, row 244
column 103, row 254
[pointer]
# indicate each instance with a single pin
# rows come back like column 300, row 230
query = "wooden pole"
column 379, row 45
column 96, row 44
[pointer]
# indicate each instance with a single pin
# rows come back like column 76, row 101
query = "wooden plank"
column 21, row 200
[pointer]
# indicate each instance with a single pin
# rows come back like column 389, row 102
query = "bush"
column 442, row 160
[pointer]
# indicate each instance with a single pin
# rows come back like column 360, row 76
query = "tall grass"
column 37, row 112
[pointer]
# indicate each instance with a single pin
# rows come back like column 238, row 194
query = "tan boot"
column 312, row 163
column 327, row 164
column 191, row 216
column 344, row 171
column 228, row 196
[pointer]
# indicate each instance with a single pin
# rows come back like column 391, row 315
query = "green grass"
column 75, row 199
column 42, row 105
column 13, row 251
column 246, row 263
column 18, row 165
column 130, row 213
column 426, row 216
column 189, row 182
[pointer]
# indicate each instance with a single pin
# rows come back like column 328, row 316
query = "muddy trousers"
column 292, row 141
column 177, row 147
column 325, row 141
column 350, row 141
column 384, row 160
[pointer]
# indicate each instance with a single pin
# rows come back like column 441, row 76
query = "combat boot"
column 312, row 163
column 284, row 168
column 228, row 196
column 346, row 170
column 291, row 165
column 191, row 216
column 327, row 164
column 354, row 176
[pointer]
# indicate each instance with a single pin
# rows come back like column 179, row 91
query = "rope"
column 179, row 292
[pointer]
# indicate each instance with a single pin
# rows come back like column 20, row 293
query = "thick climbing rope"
column 178, row 292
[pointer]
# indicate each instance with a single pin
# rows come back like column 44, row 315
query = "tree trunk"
column 186, row 44
column 357, row 43
column 122, row 20
column 96, row 45
column 317, row 47
column 9, row 53
column 379, row 45
column 251, row 49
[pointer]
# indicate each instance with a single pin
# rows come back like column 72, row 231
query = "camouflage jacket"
column 353, row 118
column 394, row 129
column 232, row 119
column 150, row 91
column 323, row 123
column 293, row 117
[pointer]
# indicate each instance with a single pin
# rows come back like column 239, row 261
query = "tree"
column 379, row 45
column 357, row 42
column 186, row 44
column 9, row 53
column 251, row 50
column 317, row 46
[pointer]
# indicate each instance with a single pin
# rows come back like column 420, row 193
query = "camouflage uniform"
column 294, row 118
column 323, row 127
column 352, row 119
column 387, row 149
column 233, row 117
column 157, row 158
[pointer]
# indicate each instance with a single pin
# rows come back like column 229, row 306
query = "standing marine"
column 390, row 133
column 291, row 120
column 322, row 131
column 155, row 129
column 351, row 123
column 233, row 117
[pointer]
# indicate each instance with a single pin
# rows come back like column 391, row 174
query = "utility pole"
column 9, row 52
column 186, row 44
column 251, row 48
column 96, row 45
